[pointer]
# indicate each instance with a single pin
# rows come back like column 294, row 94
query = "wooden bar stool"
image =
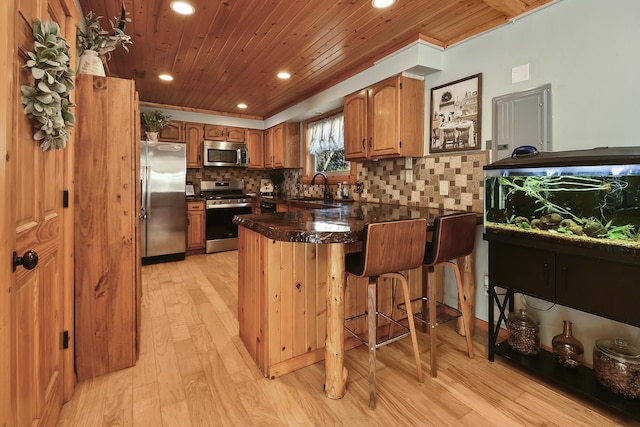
column 453, row 237
column 387, row 249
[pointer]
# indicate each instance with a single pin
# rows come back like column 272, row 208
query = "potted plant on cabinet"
column 98, row 43
column 153, row 122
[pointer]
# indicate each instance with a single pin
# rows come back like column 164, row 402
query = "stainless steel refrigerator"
column 163, row 215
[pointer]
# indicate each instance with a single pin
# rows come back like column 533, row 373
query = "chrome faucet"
column 327, row 193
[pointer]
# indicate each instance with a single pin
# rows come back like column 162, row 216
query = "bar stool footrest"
column 443, row 314
column 381, row 340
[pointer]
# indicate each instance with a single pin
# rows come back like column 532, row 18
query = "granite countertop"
column 338, row 223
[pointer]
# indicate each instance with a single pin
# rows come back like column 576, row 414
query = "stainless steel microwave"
column 223, row 153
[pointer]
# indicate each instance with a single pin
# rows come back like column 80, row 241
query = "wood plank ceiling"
column 230, row 51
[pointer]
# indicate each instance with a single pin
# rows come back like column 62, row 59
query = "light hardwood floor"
column 194, row 371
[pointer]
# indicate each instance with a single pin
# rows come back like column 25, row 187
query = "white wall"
column 588, row 50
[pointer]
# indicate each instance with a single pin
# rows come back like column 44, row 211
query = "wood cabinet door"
column 235, row 134
column 172, row 132
column 105, row 225
column 521, row 268
column 195, row 228
column 215, row 133
column 278, row 145
column 607, row 288
column 355, row 126
column 193, row 136
column 255, row 148
column 268, row 148
column 383, row 120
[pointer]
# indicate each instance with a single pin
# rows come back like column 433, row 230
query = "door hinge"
column 400, row 144
column 65, row 339
column 65, row 198
column 400, row 85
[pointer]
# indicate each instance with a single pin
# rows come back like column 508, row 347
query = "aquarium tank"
column 582, row 196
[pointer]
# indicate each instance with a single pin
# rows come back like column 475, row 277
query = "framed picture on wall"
column 455, row 115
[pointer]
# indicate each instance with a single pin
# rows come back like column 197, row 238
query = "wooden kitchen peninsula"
column 293, row 292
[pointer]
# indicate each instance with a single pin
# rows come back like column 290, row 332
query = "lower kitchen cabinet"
column 195, row 226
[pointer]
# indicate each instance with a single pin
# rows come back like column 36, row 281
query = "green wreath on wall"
column 47, row 101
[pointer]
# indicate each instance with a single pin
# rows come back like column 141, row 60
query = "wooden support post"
column 335, row 372
column 465, row 264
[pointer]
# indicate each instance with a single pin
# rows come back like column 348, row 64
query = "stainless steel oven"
column 223, row 200
column 222, row 153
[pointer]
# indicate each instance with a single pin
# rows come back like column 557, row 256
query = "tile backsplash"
column 452, row 181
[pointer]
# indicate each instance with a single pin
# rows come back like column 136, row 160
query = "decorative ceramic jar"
column 90, row 63
column 524, row 333
column 616, row 364
column 152, row 136
column 567, row 348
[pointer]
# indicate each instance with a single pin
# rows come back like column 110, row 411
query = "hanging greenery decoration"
column 47, row 100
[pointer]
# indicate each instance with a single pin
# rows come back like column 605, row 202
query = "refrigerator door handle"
column 148, row 201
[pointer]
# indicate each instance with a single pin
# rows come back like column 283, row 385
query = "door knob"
column 29, row 260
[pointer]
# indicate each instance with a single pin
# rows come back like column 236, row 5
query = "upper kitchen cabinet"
column 172, row 132
column 282, row 146
column 193, row 135
column 255, row 147
column 223, row 133
column 385, row 120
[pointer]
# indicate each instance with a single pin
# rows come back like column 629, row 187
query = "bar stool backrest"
column 390, row 246
column 454, row 236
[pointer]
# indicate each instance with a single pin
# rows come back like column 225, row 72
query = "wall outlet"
column 486, row 284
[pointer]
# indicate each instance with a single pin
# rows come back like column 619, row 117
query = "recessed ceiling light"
column 381, row 4
column 182, row 7
column 165, row 77
column 283, row 75
column 242, row 105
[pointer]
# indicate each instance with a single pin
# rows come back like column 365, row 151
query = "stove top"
column 223, row 192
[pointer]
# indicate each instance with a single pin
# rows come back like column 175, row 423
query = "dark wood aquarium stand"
column 595, row 278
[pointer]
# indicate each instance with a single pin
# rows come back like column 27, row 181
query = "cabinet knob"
column 364, row 141
column 370, row 142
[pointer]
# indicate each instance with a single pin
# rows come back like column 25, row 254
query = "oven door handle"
column 229, row 205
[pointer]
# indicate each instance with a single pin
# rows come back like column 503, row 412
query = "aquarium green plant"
column 541, row 187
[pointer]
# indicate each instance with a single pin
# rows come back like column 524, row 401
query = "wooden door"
column 278, row 146
column 268, row 148
column 195, row 230
column 215, row 133
column 255, row 148
column 235, row 134
column 193, row 135
column 383, row 119
column 39, row 306
column 172, row 132
column 355, row 126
